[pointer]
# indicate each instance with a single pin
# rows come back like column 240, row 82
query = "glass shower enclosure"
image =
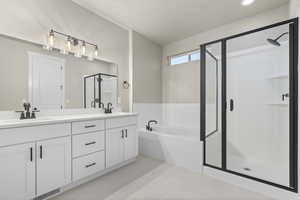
column 249, row 104
column 100, row 88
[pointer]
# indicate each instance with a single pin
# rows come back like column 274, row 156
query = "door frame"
column 293, row 102
column 31, row 56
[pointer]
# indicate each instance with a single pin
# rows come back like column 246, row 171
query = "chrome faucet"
column 148, row 126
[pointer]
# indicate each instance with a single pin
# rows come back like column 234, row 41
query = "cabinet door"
column 17, row 172
column 131, row 143
column 53, row 164
column 115, row 147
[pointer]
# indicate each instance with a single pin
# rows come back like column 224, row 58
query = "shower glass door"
column 258, row 102
column 213, row 131
column 249, row 104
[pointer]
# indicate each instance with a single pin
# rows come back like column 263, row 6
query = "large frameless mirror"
column 49, row 80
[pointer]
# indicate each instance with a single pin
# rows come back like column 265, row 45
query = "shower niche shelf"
column 279, row 76
column 278, row 104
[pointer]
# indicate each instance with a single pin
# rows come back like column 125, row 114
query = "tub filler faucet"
column 148, row 126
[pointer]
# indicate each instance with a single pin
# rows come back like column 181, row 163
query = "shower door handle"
column 231, row 105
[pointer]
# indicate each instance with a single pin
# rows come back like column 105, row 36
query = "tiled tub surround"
column 52, row 154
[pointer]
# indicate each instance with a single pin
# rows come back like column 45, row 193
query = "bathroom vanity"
column 44, row 156
column 60, row 123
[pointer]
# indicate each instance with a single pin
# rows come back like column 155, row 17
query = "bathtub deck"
column 151, row 179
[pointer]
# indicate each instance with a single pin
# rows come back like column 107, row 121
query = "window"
column 195, row 56
column 176, row 60
column 185, row 57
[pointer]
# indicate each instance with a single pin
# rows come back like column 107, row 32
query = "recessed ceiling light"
column 247, row 2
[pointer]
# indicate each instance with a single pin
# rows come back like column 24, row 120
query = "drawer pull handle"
column 90, row 143
column 41, row 152
column 90, row 165
column 126, row 133
column 89, row 126
column 31, row 154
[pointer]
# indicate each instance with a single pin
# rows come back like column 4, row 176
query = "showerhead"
column 275, row 41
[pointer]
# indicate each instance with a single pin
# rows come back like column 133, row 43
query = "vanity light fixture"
column 51, row 38
column 83, row 47
column 247, row 2
column 71, row 43
column 96, row 51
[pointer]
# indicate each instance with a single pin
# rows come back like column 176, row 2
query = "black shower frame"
column 217, row 95
column 99, row 86
column 293, row 102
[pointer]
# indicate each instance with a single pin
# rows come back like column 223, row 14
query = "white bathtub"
column 179, row 147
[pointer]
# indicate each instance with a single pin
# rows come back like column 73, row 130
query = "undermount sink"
column 12, row 121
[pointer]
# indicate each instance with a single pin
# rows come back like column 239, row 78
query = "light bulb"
column 247, row 2
column 69, row 43
column 96, row 51
column 83, row 48
column 51, row 38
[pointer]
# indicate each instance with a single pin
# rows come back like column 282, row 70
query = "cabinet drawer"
column 87, row 126
column 34, row 133
column 88, row 143
column 120, row 122
column 88, row 165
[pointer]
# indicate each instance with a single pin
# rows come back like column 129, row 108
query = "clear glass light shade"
column 96, row 51
column 51, row 39
column 83, row 48
column 69, row 44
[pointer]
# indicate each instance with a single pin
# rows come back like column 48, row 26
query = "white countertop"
column 15, row 123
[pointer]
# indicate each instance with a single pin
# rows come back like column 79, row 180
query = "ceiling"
column 165, row 21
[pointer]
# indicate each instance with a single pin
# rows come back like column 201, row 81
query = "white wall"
column 147, row 57
column 147, row 92
column 294, row 8
column 32, row 19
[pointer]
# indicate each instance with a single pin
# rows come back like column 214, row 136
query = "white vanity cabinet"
column 38, row 166
column 88, row 144
column 130, row 142
column 115, row 147
column 53, row 164
column 17, row 174
column 121, row 140
column 39, row 159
